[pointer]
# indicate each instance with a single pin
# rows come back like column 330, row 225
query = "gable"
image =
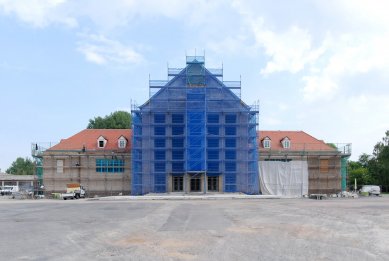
column 191, row 81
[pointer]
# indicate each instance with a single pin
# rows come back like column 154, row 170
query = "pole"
column 355, row 185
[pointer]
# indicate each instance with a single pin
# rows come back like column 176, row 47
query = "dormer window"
column 122, row 142
column 266, row 142
column 101, row 142
column 285, row 143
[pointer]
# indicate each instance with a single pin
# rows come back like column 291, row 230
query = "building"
column 295, row 163
column 99, row 159
column 22, row 181
column 194, row 134
column 291, row 163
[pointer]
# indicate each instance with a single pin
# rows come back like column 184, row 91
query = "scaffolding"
column 102, row 172
column 194, row 124
column 37, row 150
column 326, row 165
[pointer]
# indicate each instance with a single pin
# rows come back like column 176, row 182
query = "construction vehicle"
column 74, row 191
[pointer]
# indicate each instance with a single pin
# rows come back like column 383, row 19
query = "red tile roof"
column 89, row 137
column 299, row 140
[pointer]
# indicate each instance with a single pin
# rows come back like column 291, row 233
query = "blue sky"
column 317, row 66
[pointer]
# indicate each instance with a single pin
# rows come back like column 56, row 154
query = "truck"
column 370, row 190
column 74, row 191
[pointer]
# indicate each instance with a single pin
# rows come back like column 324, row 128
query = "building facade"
column 295, row 163
column 194, row 134
column 98, row 159
column 291, row 163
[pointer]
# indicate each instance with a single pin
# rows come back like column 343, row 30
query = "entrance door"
column 178, row 183
column 213, row 183
column 195, row 184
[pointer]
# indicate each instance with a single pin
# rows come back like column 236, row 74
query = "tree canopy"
column 21, row 167
column 372, row 169
column 116, row 120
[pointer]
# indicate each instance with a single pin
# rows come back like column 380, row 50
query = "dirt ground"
column 237, row 229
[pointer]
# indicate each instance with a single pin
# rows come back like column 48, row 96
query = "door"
column 178, row 183
column 195, row 184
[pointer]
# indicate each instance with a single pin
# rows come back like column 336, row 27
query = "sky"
column 317, row 66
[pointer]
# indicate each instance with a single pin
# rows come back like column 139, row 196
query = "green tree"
column 21, row 167
column 379, row 163
column 116, row 120
column 332, row 145
column 359, row 171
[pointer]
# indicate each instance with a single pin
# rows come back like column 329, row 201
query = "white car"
column 8, row 190
column 371, row 189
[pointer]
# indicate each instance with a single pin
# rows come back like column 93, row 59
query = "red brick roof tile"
column 89, row 137
column 299, row 140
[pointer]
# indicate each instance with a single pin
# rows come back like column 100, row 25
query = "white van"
column 8, row 190
column 371, row 189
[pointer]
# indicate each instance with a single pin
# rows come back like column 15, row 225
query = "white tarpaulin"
column 283, row 178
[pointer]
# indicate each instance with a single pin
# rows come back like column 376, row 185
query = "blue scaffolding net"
column 194, row 124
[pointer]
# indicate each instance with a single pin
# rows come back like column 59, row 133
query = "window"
column 213, row 142
column 231, row 166
column 109, row 165
column 101, row 142
column 230, row 130
column 213, row 154
column 213, row 130
column 286, row 143
column 324, row 166
column 160, row 179
column 178, row 183
column 230, row 142
column 177, row 118
column 159, row 155
column 213, row 183
column 213, row 166
column 122, row 142
column 178, row 130
column 230, row 154
column 177, row 142
column 195, row 184
column 230, row 118
column 177, row 166
column 266, row 143
column 213, row 118
column 159, row 118
column 159, row 130
column 59, row 166
column 159, row 143
column 177, row 154
column 159, row 166
column 195, row 96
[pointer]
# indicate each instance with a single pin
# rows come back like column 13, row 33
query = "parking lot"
column 229, row 229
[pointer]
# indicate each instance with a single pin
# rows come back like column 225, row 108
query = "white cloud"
column 101, row 50
column 38, row 13
column 321, row 59
column 288, row 51
column 106, row 14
